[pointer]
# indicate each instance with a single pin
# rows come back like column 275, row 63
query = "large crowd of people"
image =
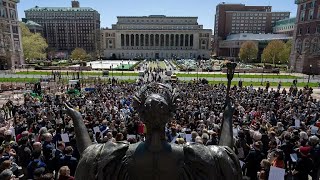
column 272, row 128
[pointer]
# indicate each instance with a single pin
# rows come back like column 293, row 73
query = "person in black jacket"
column 69, row 160
column 253, row 160
column 304, row 164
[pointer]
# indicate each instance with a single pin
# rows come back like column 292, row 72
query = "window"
column 311, row 14
column 318, row 28
column 302, row 15
column 300, row 31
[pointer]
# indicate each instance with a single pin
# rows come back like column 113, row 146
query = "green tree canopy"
column 79, row 54
column 273, row 53
column 248, row 51
column 34, row 45
column 285, row 54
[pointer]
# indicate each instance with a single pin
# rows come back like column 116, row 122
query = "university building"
column 156, row 37
column 239, row 18
column 305, row 56
column 285, row 26
column 11, row 53
column 67, row 28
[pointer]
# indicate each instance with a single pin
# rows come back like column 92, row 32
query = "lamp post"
column 309, row 74
column 198, row 64
column 112, row 70
column 122, row 67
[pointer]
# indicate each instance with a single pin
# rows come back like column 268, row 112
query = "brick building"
column 239, row 18
column 305, row 56
column 66, row 28
column 11, row 54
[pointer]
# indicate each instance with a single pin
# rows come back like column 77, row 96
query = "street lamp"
column 122, row 67
column 112, row 70
column 309, row 74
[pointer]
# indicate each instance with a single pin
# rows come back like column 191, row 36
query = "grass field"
column 84, row 73
column 273, row 84
column 270, row 76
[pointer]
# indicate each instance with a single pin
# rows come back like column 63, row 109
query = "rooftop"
column 37, row 8
column 156, row 16
column 30, row 23
column 285, row 22
column 256, row 37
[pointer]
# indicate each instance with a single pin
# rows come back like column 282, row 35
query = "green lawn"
column 19, row 80
column 271, row 76
column 273, row 84
column 85, row 73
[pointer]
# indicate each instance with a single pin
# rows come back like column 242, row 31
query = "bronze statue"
column 156, row 159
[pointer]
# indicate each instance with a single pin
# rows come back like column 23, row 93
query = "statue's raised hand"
column 74, row 114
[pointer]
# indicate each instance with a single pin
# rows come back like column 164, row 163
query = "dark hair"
column 1, row 149
column 68, row 149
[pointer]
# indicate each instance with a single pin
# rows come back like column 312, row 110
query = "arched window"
column 127, row 39
column 306, row 45
column 151, row 40
column 186, row 43
column 122, row 39
column 137, row 39
column 314, row 45
column 181, row 39
column 167, row 40
column 172, row 40
column 147, row 40
column 132, row 39
column 177, row 40
column 191, row 40
column 157, row 39
column 299, row 46
column 141, row 40
column 162, row 40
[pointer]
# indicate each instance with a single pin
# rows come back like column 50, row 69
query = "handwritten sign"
column 65, row 137
column 276, row 173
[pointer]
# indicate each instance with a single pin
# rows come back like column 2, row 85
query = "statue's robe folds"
column 121, row 161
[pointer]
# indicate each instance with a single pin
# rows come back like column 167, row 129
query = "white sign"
column 188, row 137
column 96, row 129
column 294, row 157
column 131, row 136
column 276, row 173
column 314, row 129
column 297, row 123
column 241, row 164
column 65, row 137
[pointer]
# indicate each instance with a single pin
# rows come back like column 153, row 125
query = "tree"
column 273, row 52
column 285, row 53
column 79, row 54
column 34, row 45
column 248, row 51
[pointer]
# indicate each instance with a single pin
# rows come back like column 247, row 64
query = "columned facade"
column 157, row 37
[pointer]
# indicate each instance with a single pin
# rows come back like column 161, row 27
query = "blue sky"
column 110, row 9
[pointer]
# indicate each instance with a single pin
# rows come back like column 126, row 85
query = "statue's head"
column 155, row 104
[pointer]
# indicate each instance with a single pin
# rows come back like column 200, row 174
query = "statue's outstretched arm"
column 226, row 137
column 82, row 136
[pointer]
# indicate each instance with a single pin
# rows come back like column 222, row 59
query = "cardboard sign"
column 276, row 173
column 65, row 137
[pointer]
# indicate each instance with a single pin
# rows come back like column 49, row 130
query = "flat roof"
column 256, row 37
column 60, row 9
column 157, row 16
